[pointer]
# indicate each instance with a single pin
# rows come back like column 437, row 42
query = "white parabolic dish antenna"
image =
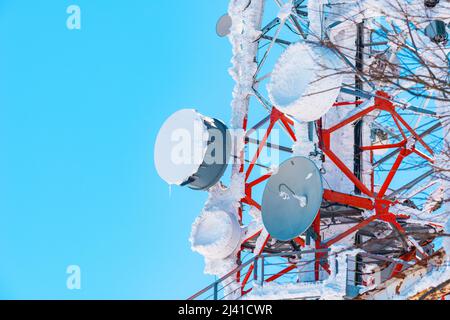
column 304, row 83
column 292, row 199
column 192, row 150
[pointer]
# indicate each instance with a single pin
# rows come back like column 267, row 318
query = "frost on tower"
column 330, row 180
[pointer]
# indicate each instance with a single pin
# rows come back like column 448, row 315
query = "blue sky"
column 79, row 114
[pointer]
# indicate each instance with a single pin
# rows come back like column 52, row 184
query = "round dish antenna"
column 292, row 199
column 216, row 234
column 223, row 26
column 192, row 150
column 437, row 31
column 304, row 82
column 431, row 3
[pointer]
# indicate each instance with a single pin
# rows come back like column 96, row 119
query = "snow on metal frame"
column 246, row 19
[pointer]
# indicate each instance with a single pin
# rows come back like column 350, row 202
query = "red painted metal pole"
column 281, row 273
column 352, row 118
column 252, row 267
column 248, row 200
column 258, row 152
column 247, row 276
column 392, row 173
column 252, row 236
column 349, row 200
column 411, row 130
column 348, row 103
column 348, row 172
column 259, row 180
column 291, row 133
column 399, row 126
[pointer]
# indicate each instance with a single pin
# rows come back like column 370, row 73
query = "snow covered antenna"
column 192, row 150
column 309, row 94
column 292, row 199
column 216, row 234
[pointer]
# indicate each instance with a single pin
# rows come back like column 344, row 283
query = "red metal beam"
column 259, row 180
column 287, row 125
column 248, row 200
column 348, row 103
column 349, row 200
column 258, row 152
column 352, row 118
column 348, row 172
column 384, row 146
column 247, row 277
column 281, row 273
column 403, row 153
column 252, row 267
column 399, row 126
column 252, row 236
column 411, row 130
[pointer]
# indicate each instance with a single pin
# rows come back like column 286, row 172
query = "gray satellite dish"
column 437, row 31
column 219, row 147
column 223, row 27
column 431, row 3
column 192, row 150
column 292, row 199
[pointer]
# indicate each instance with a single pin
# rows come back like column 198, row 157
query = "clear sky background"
column 79, row 114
